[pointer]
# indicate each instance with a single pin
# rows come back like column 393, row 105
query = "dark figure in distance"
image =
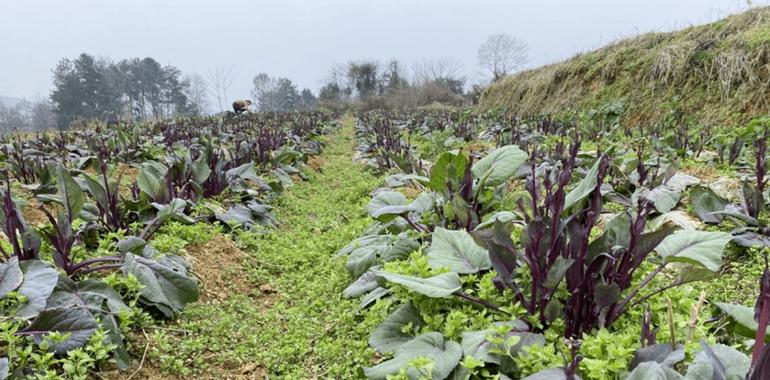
column 241, row 106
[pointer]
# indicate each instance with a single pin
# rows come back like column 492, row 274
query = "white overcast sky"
column 302, row 39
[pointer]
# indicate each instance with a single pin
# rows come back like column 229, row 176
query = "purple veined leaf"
column 719, row 372
column 501, row 250
column 718, row 362
column 76, row 322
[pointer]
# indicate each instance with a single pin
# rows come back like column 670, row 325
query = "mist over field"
column 302, row 40
column 385, row 190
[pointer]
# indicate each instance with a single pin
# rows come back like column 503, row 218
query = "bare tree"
column 197, row 93
column 263, row 84
column 219, row 81
column 501, row 54
column 431, row 70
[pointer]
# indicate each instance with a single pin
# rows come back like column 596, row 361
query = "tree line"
column 135, row 89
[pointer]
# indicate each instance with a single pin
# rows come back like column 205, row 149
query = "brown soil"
column 410, row 192
column 316, row 162
column 218, row 265
column 33, row 214
column 130, row 174
column 706, row 173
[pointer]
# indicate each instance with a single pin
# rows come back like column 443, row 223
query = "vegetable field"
column 451, row 244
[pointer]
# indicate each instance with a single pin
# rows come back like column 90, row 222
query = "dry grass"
column 720, row 71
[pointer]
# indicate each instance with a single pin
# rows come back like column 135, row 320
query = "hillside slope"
column 717, row 73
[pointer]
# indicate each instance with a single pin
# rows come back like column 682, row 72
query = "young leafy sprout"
column 86, row 272
column 576, row 242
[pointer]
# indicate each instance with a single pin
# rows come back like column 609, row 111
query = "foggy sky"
column 303, row 39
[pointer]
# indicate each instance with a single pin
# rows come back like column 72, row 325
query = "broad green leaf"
column 439, row 286
column 372, row 296
column 151, row 181
column 499, row 165
column 4, row 368
column 663, row 198
column 362, row 285
column 448, row 171
column 736, row 364
column 705, row 202
column 558, row 271
column 457, row 251
column 10, row 276
column 243, row 172
column 38, row 283
column 445, row 355
column 174, row 210
column 370, row 250
column 200, row 170
column 502, row 216
column 653, row 371
column 387, row 205
column 584, row 187
column 477, row 344
column 76, row 322
column 96, row 189
column 743, row 316
column 695, row 247
column 680, row 182
column 164, row 287
column 401, row 179
column 660, row 353
column 91, row 293
column 110, row 325
column 550, row 374
column 399, row 328
column 71, row 195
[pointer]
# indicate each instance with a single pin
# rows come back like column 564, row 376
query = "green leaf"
column 448, row 171
column 502, row 216
column 4, row 368
column 499, row 165
column 37, row 285
column 76, row 322
column 200, row 170
column 174, row 210
column 695, row 247
column 660, row 353
column 653, row 371
column 71, row 195
column 387, row 205
column 393, row 333
column 370, row 250
column 704, row 202
column 440, row 286
column 10, row 276
column 164, row 287
column 663, row 198
column 557, row 272
column 96, row 189
column 743, row 316
column 445, row 356
column 457, row 251
column 151, row 181
column 736, row 364
column 550, row 374
column 584, row 187
column 91, row 293
column 477, row 345
column 362, row 285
